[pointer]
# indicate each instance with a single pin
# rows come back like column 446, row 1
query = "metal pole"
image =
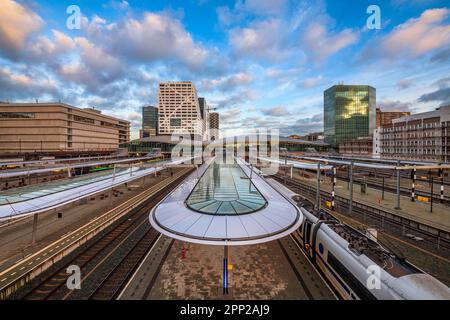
column 33, row 234
column 397, row 205
column 441, row 177
column 431, row 194
column 350, row 207
column 413, row 185
column 225, row 270
column 318, row 187
column 333, row 188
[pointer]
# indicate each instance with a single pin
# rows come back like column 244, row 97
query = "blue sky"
column 262, row 63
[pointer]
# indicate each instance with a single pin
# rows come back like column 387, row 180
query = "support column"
column 397, row 205
column 333, row 188
column 318, row 188
column 34, row 232
column 225, row 271
column 431, row 194
column 413, row 185
column 350, row 171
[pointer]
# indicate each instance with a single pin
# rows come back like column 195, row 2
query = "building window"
column 83, row 119
column 17, row 115
column 175, row 122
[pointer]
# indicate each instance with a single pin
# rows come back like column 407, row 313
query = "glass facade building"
column 349, row 113
column 149, row 121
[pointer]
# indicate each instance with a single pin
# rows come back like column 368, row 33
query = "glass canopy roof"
column 43, row 189
column 225, row 189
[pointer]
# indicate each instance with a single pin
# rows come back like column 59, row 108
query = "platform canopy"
column 221, row 205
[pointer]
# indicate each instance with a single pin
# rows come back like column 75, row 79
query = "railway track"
column 377, row 217
column 388, row 187
column 107, row 260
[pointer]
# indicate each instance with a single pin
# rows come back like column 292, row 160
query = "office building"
column 57, row 127
column 214, row 125
column 149, row 121
column 362, row 146
column 421, row 136
column 386, row 117
column 179, row 109
column 349, row 113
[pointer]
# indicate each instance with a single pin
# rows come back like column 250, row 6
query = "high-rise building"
column 421, row 136
column 58, row 127
column 149, row 121
column 179, row 108
column 214, row 125
column 349, row 113
column 386, row 117
column 204, row 114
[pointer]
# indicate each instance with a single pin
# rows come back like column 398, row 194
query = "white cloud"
column 320, row 43
column 261, row 40
column 419, row 35
column 16, row 25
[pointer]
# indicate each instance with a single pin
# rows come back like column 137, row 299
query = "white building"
column 179, row 108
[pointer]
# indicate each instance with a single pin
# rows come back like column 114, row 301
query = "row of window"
column 17, row 115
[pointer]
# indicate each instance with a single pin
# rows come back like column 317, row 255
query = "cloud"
column 261, row 40
column 441, row 56
column 227, row 83
column 403, row 84
column 394, row 105
column 17, row 24
column 254, row 8
column 156, row 36
column 311, row 82
column 276, row 112
column 320, row 43
column 22, row 86
column 414, row 38
column 234, row 100
column 441, row 95
column 304, row 126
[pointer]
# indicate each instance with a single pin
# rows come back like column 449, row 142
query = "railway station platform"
column 225, row 204
column 418, row 211
column 33, row 199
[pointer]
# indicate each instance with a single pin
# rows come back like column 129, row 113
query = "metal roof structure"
column 22, row 172
column 273, row 218
column 58, row 193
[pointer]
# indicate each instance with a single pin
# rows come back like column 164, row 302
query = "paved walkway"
column 259, row 272
column 419, row 211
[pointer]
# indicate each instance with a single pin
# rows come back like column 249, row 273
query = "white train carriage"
column 358, row 267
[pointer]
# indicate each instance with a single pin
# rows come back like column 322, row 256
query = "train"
column 358, row 267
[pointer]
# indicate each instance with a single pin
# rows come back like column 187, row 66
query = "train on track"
column 358, row 267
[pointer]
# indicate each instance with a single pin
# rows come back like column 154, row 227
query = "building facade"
column 363, row 146
column 149, row 121
column 349, row 113
column 56, row 127
column 422, row 136
column 384, row 118
column 214, row 125
column 179, row 108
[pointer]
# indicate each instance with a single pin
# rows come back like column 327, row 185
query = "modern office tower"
column 179, row 108
column 349, row 113
column 149, row 121
column 421, row 136
column 386, row 117
column 204, row 114
column 214, row 125
column 58, row 127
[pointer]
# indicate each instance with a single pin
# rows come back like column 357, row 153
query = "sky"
column 260, row 63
